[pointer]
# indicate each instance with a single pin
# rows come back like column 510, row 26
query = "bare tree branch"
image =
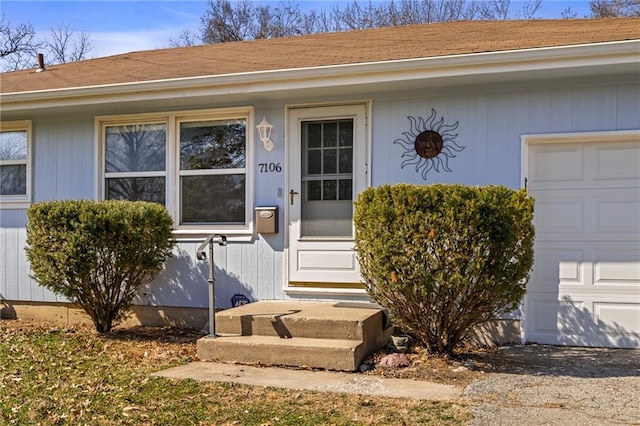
column 614, row 8
column 64, row 45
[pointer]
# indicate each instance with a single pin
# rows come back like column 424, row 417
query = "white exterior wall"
column 490, row 125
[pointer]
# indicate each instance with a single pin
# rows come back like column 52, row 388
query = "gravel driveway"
column 547, row 385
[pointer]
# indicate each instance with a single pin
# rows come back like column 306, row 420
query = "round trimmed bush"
column 98, row 254
column 444, row 258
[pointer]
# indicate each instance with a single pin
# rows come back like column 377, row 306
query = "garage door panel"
column 559, row 213
column 557, row 163
column 617, row 213
column 552, row 315
column 557, row 265
column 624, row 317
column 577, row 322
column 616, row 161
column 617, row 267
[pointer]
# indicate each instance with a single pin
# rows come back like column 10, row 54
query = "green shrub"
column 98, row 254
column 444, row 258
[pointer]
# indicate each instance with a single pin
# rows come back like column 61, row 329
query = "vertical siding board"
column 628, row 107
column 539, row 111
column 249, row 271
column 9, row 240
column 517, row 122
column 605, row 108
column 44, row 168
column 498, row 156
column 478, row 123
column 221, row 275
column 234, row 275
column 458, row 111
column 266, row 269
column 5, row 260
column 583, row 111
column 561, row 111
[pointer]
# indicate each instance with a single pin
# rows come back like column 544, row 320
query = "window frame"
column 172, row 172
column 19, row 201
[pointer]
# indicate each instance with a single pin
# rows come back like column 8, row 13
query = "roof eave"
column 548, row 58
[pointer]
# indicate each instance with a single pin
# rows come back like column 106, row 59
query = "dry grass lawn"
column 52, row 376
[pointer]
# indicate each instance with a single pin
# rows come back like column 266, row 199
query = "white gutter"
column 559, row 57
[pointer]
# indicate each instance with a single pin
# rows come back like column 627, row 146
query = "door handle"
column 292, row 194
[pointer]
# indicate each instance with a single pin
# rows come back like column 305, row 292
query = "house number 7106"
column 270, row 167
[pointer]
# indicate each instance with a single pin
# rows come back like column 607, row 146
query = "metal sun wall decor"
column 429, row 144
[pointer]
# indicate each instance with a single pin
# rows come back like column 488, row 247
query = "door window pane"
column 346, row 160
column 314, row 166
column 330, row 134
column 313, row 132
column 216, row 144
column 345, row 191
column 329, row 161
column 329, row 190
column 135, row 148
column 213, row 199
column 314, row 190
column 346, row 133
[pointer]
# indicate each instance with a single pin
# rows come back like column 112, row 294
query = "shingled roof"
column 354, row 47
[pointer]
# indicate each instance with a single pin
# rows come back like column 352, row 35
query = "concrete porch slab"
column 321, row 381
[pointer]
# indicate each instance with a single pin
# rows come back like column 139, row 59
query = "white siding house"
column 550, row 105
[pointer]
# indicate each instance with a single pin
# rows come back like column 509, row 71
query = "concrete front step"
column 321, row 320
column 330, row 354
column 334, row 336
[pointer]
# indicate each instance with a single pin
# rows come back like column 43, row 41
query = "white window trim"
column 19, row 201
column 172, row 195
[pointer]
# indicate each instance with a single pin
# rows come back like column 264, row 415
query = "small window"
column 193, row 162
column 15, row 164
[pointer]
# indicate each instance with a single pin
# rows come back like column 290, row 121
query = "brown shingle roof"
column 384, row 44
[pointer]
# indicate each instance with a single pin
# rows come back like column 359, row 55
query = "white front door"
column 327, row 170
column 585, row 285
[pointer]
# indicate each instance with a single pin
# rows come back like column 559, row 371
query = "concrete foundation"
column 66, row 314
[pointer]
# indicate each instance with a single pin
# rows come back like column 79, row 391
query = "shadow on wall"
column 585, row 328
column 184, row 283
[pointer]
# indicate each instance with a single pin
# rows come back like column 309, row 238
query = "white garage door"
column 585, row 286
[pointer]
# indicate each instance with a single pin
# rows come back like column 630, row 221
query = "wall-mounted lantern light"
column 264, row 128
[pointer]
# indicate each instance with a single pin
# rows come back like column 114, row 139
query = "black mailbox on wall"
column 267, row 220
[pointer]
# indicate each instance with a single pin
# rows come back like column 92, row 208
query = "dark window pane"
column 346, row 160
column 13, row 180
column 345, row 133
column 213, row 145
column 136, row 189
column 344, row 190
column 315, row 162
column 13, row 145
column 135, row 148
column 313, row 133
column 329, row 164
column 213, row 199
column 314, row 190
column 329, row 190
column 330, row 137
